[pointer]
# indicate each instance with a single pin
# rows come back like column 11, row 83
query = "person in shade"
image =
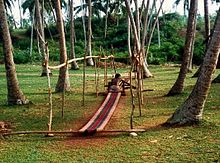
column 117, row 84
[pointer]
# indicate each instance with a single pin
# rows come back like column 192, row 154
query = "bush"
column 22, row 44
column 21, row 56
column 167, row 52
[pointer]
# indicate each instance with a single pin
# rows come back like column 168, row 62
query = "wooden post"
column 49, row 89
column 142, row 88
column 139, row 90
column 132, row 98
column 105, row 73
column 96, row 81
column 84, row 79
column 63, row 93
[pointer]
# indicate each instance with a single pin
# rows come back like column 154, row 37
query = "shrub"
column 22, row 44
column 167, row 52
column 21, row 56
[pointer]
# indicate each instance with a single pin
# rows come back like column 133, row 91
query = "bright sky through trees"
column 168, row 7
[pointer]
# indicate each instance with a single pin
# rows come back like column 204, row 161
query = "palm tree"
column 207, row 21
column 106, row 18
column 8, row 7
column 15, row 95
column 190, row 112
column 207, row 31
column 63, row 82
column 89, row 43
column 49, row 5
column 190, row 35
column 40, row 35
column 74, row 65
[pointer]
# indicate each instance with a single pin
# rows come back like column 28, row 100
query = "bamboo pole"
column 79, row 59
column 139, row 87
column 105, row 74
column 96, row 81
column 68, row 132
column 84, row 80
column 63, row 93
column 142, row 88
column 153, row 27
column 49, row 89
column 132, row 99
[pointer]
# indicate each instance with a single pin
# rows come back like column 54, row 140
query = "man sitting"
column 115, row 84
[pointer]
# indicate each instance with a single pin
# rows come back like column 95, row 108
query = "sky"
column 167, row 7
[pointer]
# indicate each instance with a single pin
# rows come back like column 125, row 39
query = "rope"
column 49, row 89
column 78, row 59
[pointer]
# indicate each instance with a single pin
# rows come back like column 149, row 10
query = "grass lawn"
column 158, row 144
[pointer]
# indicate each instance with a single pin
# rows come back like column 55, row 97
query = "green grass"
column 186, row 144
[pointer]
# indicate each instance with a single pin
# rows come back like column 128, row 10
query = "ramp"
column 103, row 114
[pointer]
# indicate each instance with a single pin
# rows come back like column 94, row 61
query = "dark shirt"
column 116, row 81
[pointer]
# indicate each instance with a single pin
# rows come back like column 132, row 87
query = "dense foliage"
column 172, row 35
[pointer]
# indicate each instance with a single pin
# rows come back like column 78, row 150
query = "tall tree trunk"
column 15, row 95
column 137, row 18
column 145, row 28
column 40, row 35
column 74, row 65
column 106, row 18
column 129, row 37
column 207, row 31
column 84, row 26
column 63, row 82
column 191, row 110
column 179, row 84
column 207, row 22
column 146, row 72
column 89, row 45
column 158, row 26
column 190, row 64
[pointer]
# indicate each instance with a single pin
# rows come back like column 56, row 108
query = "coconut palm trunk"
column 137, row 43
column 190, row 112
column 129, row 37
column 207, row 31
column 147, row 73
column 179, row 84
column 40, row 35
column 15, row 95
column 63, row 82
column 106, row 18
column 89, row 45
column 74, row 65
column 207, row 22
